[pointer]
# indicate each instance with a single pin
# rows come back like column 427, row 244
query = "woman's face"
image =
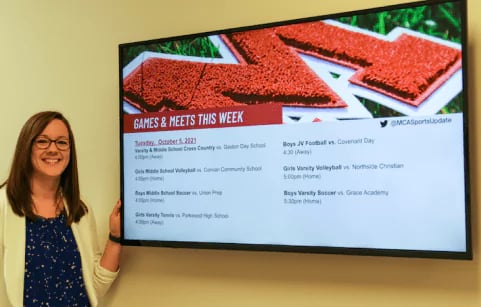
column 51, row 151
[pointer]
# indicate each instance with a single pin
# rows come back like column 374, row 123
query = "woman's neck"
column 46, row 197
column 44, row 188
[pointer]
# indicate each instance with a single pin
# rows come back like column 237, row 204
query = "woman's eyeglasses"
column 44, row 143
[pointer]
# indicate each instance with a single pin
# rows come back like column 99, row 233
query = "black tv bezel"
column 466, row 255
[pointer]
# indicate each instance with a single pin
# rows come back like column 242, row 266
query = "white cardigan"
column 12, row 256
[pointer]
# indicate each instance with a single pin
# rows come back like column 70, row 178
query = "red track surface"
column 271, row 71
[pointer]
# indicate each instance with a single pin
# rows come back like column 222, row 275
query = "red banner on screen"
column 267, row 114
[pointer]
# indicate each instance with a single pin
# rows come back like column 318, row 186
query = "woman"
column 48, row 252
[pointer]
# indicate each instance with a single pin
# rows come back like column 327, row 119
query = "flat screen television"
column 344, row 133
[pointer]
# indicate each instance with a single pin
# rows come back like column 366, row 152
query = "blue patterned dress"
column 53, row 271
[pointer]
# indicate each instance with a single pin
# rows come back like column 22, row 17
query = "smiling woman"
column 44, row 222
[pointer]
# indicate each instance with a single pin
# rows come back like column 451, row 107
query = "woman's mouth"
column 51, row 160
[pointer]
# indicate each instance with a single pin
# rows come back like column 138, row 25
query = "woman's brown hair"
column 18, row 187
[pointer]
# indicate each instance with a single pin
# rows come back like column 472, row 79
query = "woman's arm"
column 111, row 257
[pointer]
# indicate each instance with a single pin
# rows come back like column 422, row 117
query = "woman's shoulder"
column 3, row 204
column 3, row 201
column 3, row 196
column 85, row 204
column 89, row 215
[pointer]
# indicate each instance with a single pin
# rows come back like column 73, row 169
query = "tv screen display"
column 343, row 133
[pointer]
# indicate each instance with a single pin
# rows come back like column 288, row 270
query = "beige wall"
column 60, row 54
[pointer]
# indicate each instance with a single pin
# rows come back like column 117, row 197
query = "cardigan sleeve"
column 12, row 254
column 3, row 291
column 102, row 278
column 97, row 279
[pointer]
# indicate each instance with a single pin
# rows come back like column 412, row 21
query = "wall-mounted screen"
column 340, row 134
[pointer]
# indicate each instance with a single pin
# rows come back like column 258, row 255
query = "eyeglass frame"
column 50, row 141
